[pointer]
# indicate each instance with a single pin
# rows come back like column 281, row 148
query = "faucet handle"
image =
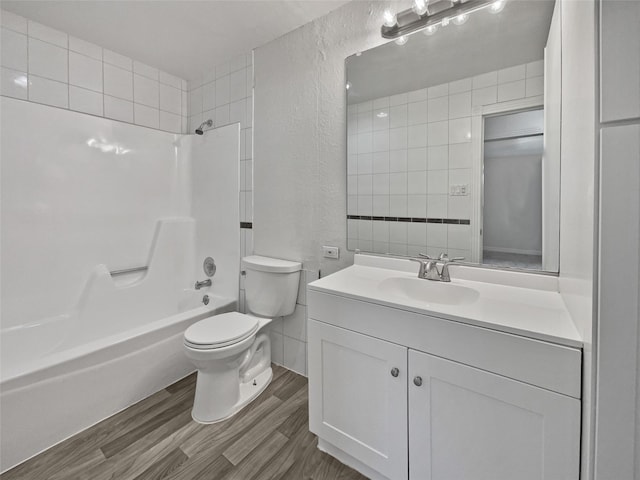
column 443, row 257
column 424, row 255
column 423, row 266
column 456, row 259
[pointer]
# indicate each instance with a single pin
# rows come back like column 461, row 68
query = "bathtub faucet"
column 204, row 283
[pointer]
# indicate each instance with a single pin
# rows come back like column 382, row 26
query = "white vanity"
column 479, row 378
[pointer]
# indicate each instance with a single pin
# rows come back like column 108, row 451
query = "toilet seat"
column 220, row 331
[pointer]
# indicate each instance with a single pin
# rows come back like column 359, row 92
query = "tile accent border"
column 246, row 225
column 447, row 221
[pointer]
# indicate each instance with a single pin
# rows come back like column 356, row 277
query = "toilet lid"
column 221, row 330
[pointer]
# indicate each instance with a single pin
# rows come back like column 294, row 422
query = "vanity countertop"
column 513, row 302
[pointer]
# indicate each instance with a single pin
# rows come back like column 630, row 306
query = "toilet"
column 231, row 354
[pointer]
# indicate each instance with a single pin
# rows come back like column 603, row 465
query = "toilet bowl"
column 230, row 352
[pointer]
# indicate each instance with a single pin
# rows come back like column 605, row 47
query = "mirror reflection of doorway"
column 512, row 189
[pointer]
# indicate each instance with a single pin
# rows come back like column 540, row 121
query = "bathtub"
column 62, row 375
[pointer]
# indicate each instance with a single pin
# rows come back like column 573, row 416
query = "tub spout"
column 204, row 283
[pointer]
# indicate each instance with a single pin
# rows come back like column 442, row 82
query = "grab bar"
column 128, row 270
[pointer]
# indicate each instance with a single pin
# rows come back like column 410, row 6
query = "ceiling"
column 182, row 37
column 486, row 42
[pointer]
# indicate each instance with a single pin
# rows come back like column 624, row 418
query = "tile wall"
column 407, row 151
column 48, row 66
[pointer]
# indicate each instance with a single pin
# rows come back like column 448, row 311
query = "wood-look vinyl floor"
column 156, row 439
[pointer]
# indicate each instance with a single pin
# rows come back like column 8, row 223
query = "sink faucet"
column 429, row 267
column 204, row 283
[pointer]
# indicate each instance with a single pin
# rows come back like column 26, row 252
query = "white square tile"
column 237, row 63
column 118, row 82
column 459, row 86
column 365, row 230
column 398, row 183
column 14, row 50
column 208, row 96
column 417, row 183
column 248, row 210
column 146, row 91
column 460, row 155
column 381, row 231
column 364, row 106
column 398, row 138
column 437, row 206
column 460, row 105
column 170, row 122
column 85, row 72
column 438, row 182
column 460, row 130
column 417, row 206
column 535, row 69
column 48, row 34
column 13, row 22
column 398, row 116
column 381, row 103
column 365, row 184
column 171, row 80
column 417, row 159
column 417, row 136
column 417, row 113
column 277, row 347
column 398, row 99
column 484, row 96
column 438, row 91
column 170, row 99
column 85, row 48
column 116, row 59
column 438, row 157
column 380, row 205
column 437, row 235
column 417, row 95
column 380, row 162
column 381, row 141
column 222, row 116
column 438, row 133
column 380, row 119
column 398, row 161
column 146, row 116
column 365, row 143
column 237, row 111
column 295, row 355
column 438, row 109
column 365, row 205
column 511, row 91
column 195, row 101
column 534, row 86
column 459, row 207
column 118, row 109
column 511, row 74
column 237, row 85
column 222, row 90
column 398, row 205
column 417, row 233
column 460, row 176
column 398, row 249
column 295, row 325
column 398, row 232
column 49, row 92
column 485, row 80
column 85, row 101
column 364, row 122
column 365, row 163
column 13, row 83
column 459, row 237
column 47, row 60
column 145, row 70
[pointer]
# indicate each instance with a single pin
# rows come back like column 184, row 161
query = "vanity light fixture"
column 348, row 85
column 382, row 114
column 427, row 15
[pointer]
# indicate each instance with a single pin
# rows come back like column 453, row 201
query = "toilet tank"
column 270, row 285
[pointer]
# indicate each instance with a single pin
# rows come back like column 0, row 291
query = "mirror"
column 453, row 141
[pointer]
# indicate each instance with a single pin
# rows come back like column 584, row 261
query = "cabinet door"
column 356, row 403
column 466, row 423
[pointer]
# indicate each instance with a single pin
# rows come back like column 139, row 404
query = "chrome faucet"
column 204, row 283
column 429, row 267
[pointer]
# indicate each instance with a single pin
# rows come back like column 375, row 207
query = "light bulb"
column 402, row 40
column 419, row 7
column 348, row 85
column 445, row 21
column 497, row 6
column 382, row 114
column 430, row 30
column 389, row 18
column 460, row 19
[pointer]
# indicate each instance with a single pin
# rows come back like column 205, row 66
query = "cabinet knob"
column 395, row 372
column 417, row 381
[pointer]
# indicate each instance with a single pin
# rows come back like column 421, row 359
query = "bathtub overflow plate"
column 209, row 267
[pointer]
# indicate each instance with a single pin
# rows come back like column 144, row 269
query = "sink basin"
column 429, row 291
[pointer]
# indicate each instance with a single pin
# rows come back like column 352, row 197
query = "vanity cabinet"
column 382, row 402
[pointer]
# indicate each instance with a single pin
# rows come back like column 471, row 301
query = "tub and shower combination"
column 104, row 230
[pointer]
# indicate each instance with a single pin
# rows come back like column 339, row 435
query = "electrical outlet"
column 330, row 252
column 459, row 190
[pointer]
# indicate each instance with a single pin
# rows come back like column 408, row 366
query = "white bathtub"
column 58, row 378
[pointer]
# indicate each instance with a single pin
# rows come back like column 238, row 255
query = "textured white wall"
column 300, row 135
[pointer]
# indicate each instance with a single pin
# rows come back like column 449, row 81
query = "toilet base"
column 249, row 391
